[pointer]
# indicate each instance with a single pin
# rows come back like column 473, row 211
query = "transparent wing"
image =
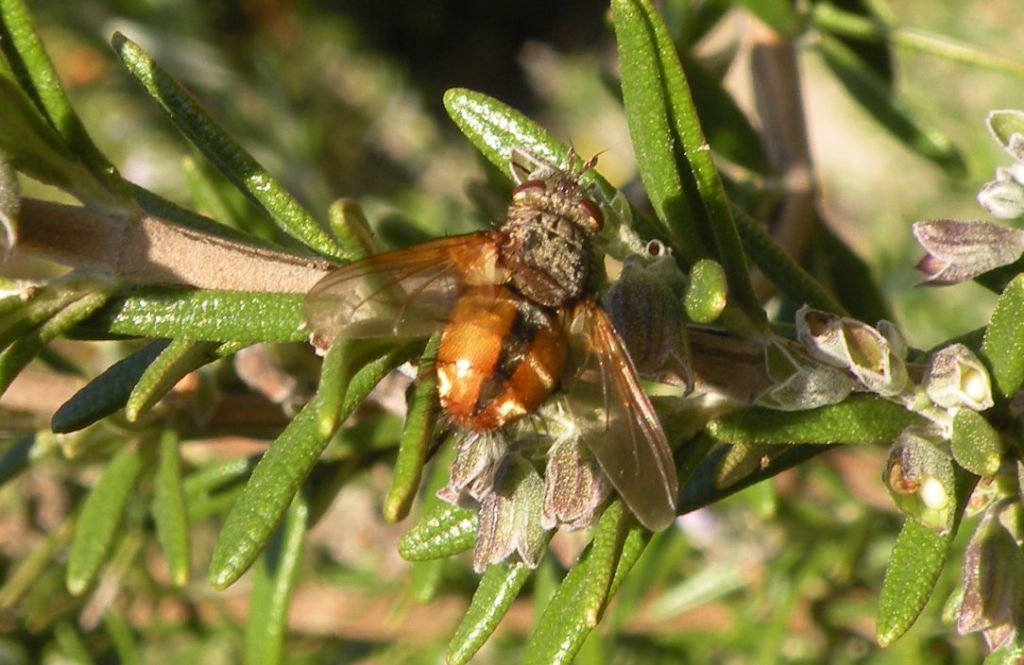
column 404, row 293
column 618, row 423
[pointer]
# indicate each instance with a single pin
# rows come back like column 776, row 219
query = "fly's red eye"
column 594, row 212
column 528, row 185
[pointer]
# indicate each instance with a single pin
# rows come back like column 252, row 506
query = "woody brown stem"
column 776, row 84
column 149, row 249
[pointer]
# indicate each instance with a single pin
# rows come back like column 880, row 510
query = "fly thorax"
column 547, row 256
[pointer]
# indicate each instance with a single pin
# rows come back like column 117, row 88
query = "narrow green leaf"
column 11, row 300
column 41, row 305
column 20, row 353
column 702, row 487
column 269, row 491
column 859, row 419
column 205, row 196
column 210, row 138
column 204, row 506
column 370, row 435
column 71, row 645
column 34, row 70
column 98, row 524
column 214, row 316
column 33, row 147
column 107, row 393
column 91, row 444
column 425, row 580
column 563, row 627
column 120, row 632
column 16, row 458
column 215, row 476
column 661, row 116
column 878, row 99
column 31, row 143
column 421, row 417
column 671, row 191
column 975, row 444
column 279, row 473
column 914, row 566
column 169, row 511
column 38, row 561
column 829, row 17
column 609, row 537
column 349, row 225
column 874, row 48
column 179, row 358
column 495, row 128
column 742, row 459
column 1003, row 347
column 215, row 198
column 498, row 587
column 337, row 369
column 272, row 586
column 442, row 531
column 787, row 275
column 691, row 22
column 779, row 15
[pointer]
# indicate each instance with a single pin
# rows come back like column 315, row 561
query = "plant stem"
column 152, row 250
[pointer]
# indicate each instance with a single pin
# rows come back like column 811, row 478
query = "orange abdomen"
column 500, row 358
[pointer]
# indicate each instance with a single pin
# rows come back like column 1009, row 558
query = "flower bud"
column 509, row 516
column 647, row 313
column 854, row 346
column 1005, row 484
column 799, row 382
column 956, row 378
column 1007, row 128
column 959, row 251
column 1003, row 197
column 574, row 486
column 477, row 461
column 821, row 334
column 919, row 477
column 993, row 577
column 893, row 335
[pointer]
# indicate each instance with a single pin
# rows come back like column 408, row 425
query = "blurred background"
column 343, row 99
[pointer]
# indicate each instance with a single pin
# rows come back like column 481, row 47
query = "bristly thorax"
column 546, row 249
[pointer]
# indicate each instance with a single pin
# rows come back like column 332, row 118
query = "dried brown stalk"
column 148, row 249
column 776, row 85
